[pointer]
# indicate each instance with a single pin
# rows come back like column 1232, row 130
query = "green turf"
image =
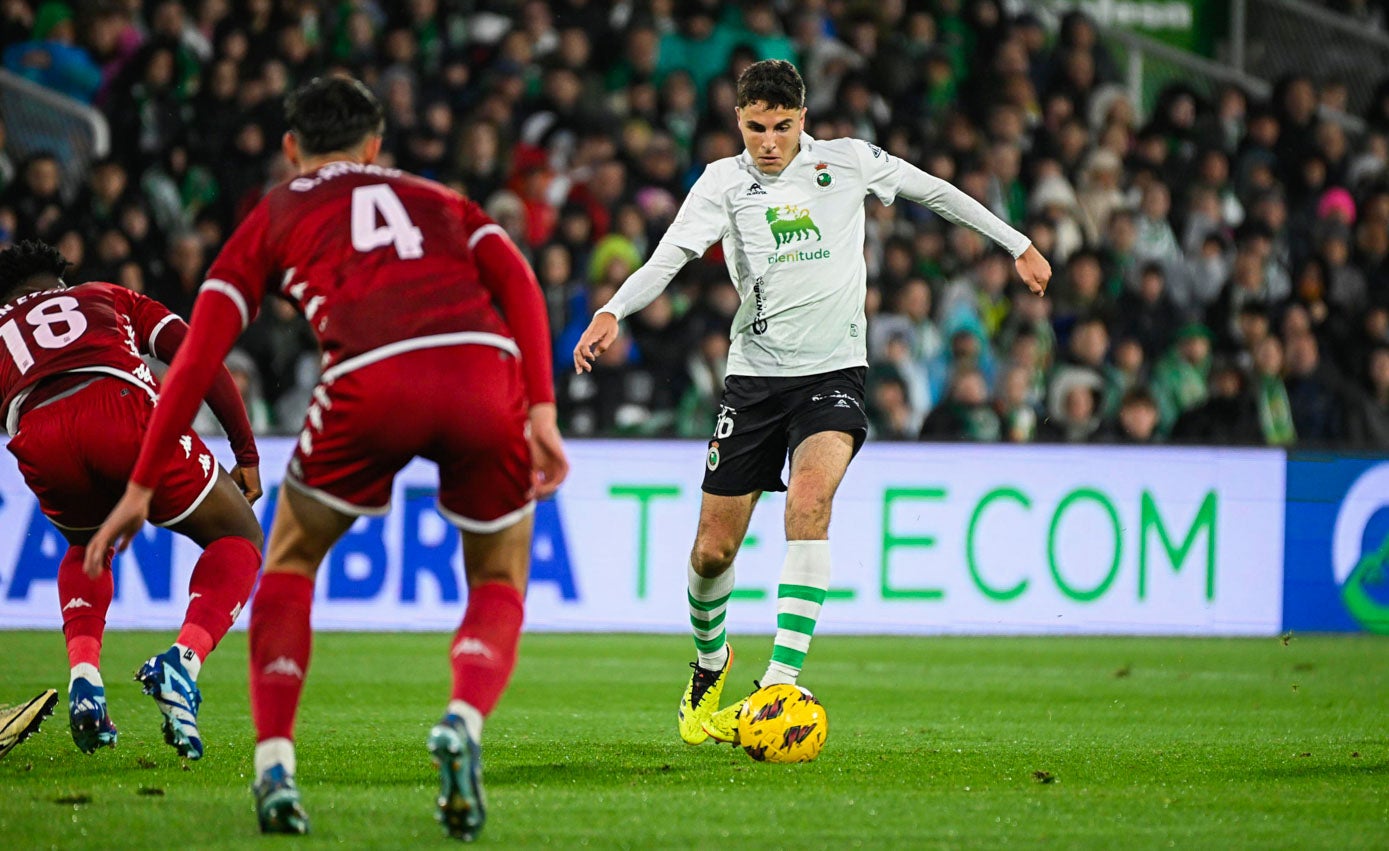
column 943, row 742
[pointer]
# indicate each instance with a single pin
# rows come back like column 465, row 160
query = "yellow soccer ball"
column 782, row 723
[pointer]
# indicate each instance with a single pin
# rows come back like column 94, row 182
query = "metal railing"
column 1273, row 38
column 39, row 120
column 1149, row 65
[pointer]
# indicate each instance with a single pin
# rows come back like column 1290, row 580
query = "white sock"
column 708, row 601
column 272, row 752
column 191, row 662
column 85, row 671
column 472, row 719
column 805, row 577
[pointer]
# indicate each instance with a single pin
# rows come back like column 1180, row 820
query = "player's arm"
column 639, row 290
column 512, row 282
column 162, row 334
column 891, row 177
column 955, row 206
column 700, row 223
column 225, row 306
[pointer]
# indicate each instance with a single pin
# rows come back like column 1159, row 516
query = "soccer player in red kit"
column 77, row 397
column 398, row 276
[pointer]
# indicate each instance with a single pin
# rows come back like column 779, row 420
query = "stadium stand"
column 1222, row 261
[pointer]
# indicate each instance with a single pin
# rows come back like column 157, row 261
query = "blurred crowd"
column 1221, row 263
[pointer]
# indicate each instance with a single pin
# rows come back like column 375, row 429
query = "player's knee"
column 711, row 557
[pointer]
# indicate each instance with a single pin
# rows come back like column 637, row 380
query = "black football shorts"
column 762, row 421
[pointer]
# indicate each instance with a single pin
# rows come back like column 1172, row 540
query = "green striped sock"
column 805, row 577
column 708, row 599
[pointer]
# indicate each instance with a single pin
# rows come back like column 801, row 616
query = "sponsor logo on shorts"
column 841, row 400
column 187, row 443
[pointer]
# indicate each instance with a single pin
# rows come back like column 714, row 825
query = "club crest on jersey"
column 823, row 178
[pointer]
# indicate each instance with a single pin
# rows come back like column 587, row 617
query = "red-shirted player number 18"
column 61, row 310
column 398, row 230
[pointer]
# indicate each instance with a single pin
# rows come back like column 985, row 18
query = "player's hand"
column 600, row 334
column 120, row 527
column 548, row 464
column 1034, row 270
column 248, row 479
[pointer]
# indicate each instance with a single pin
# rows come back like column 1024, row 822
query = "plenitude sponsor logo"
column 799, row 256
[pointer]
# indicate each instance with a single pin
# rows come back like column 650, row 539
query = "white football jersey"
column 794, row 247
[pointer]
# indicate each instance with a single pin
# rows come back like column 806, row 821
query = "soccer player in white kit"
column 789, row 211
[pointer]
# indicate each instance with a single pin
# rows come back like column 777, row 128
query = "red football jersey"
column 381, row 263
column 97, row 327
column 374, row 258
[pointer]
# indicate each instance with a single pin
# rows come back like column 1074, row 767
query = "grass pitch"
column 941, row 742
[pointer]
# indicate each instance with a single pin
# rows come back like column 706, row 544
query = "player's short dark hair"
column 333, row 114
column 774, row 82
column 28, row 259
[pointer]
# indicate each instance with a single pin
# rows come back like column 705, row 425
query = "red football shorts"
column 461, row 406
column 76, row 454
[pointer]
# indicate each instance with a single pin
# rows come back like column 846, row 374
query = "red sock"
column 221, row 583
column 85, row 602
column 280, row 643
column 484, row 648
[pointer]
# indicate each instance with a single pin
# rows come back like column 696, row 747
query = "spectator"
column 35, row 200
column 1314, row 394
column 1147, row 313
column 1078, row 294
column 1100, row 193
column 51, row 59
column 1074, row 409
column 1229, row 416
column 1128, row 370
column 247, row 379
column 965, row 414
column 1137, row 419
column 1017, row 415
column 617, row 396
column 185, row 263
column 890, row 415
column 1180, row 377
column 276, row 343
column 580, row 128
column 1370, row 426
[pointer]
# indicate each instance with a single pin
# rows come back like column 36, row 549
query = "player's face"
column 772, row 136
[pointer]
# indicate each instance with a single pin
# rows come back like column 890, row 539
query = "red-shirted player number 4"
column 55, row 311
column 367, row 235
